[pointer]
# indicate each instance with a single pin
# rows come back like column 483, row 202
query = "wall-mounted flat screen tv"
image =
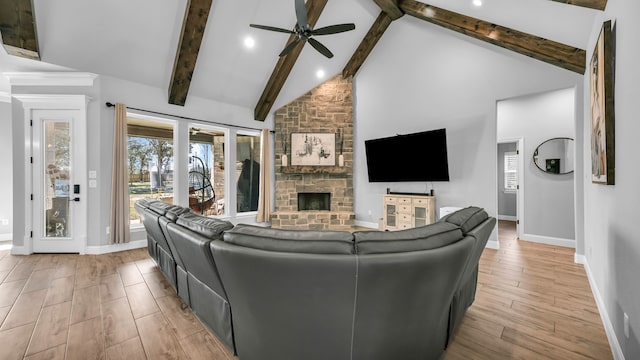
column 414, row 157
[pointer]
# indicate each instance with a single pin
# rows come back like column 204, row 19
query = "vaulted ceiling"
column 195, row 47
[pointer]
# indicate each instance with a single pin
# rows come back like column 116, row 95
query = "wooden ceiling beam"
column 285, row 64
column 549, row 51
column 390, row 7
column 193, row 26
column 368, row 43
column 592, row 4
column 18, row 28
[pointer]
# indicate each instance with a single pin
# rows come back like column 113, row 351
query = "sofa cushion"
column 295, row 241
column 145, row 202
column 174, row 212
column 208, row 227
column 160, row 207
column 421, row 238
column 467, row 218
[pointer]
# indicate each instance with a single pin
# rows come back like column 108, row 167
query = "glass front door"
column 58, row 140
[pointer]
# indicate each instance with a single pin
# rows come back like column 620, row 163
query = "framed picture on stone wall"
column 313, row 149
column 601, row 77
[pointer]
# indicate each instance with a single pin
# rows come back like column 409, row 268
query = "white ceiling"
column 137, row 40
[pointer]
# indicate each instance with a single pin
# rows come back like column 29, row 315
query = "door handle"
column 76, row 199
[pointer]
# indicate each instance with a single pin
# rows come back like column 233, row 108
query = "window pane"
column 150, row 149
column 206, row 171
column 248, row 172
column 510, row 171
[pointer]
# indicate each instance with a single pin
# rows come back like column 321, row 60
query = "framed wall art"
column 313, row 149
column 601, row 78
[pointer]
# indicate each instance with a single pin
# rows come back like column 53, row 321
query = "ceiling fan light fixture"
column 477, row 2
column 249, row 43
column 320, row 74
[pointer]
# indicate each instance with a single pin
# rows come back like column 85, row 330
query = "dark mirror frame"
column 535, row 153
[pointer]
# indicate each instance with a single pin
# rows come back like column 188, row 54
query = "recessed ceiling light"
column 320, row 74
column 477, row 2
column 249, row 43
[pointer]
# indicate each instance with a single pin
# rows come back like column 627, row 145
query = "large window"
column 150, row 149
column 248, row 172
column 206, row 171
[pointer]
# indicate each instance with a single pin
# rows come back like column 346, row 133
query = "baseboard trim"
column 507, row 217
column 111, row 248
column 549, row 240
column 368, row 224
column 6, row 237
column 579, row 259
column 492, row 245
column 616, row 349
column 20, row 250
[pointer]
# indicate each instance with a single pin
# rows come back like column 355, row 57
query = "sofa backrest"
column 171, row 216
column 151, row 220
column 420, row 238
column 286, row 303
column 191, row 235
column 403, row 299
column 292, row 241
column 467, row 218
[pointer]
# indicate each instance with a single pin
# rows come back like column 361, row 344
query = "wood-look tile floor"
column 532, row 302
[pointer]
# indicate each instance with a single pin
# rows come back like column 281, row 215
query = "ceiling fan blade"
column 271, row 28
column 290, row 47
column 301, row 14
column 321, row 48
column 333, row 29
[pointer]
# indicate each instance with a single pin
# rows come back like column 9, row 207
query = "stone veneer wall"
column 326, row 109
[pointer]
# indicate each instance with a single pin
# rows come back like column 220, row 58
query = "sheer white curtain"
column 264, row 201
column 119, row 225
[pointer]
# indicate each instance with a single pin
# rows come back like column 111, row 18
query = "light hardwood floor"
column 532, row 302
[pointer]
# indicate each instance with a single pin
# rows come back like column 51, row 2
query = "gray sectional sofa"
column 299, row 294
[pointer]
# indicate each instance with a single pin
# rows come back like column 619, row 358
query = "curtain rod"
column 110, row 104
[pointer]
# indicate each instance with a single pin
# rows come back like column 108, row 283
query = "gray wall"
column 611, row 212
column 507, row 202
column 548, row 198
column 6, row 182
column 441, row 79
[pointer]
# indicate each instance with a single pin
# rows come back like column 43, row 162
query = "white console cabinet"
column 404, row 211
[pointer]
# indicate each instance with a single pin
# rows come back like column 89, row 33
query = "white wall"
column 611, row 212
column 548, row 198
column 507, row 201
column 422, row 77
column 6, row 182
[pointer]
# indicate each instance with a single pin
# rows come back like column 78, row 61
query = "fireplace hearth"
column 315, row 201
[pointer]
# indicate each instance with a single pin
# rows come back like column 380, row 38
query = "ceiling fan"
column 304, row 32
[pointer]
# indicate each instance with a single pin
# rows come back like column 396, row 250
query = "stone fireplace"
column 316, row 197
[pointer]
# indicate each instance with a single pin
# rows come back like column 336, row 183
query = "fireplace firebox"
column 317, row 201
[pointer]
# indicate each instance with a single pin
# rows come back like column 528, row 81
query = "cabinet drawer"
column 404, row 201
column 404, row 225
column 422, row 202
column 390, row 199
column 404, row 218
column 404, row 209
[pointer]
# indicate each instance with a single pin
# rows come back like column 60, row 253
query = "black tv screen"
column 414, row 157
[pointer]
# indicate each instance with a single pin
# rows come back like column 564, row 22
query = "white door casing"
column 39, row 110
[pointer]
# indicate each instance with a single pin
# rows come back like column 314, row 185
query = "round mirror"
column 555, row 156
